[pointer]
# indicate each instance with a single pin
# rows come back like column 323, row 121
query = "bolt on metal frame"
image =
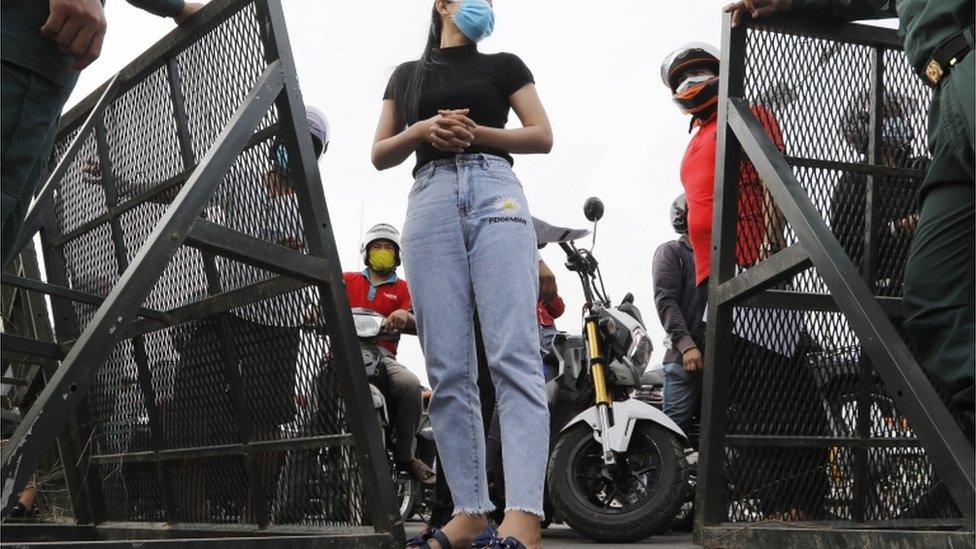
column 838, row 287
column 271, row 110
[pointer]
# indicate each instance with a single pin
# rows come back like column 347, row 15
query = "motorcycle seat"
column 652, row 377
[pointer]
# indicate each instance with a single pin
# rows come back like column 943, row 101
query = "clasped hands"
column 450, row 130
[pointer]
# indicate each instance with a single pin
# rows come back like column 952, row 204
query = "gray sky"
column 596, row 65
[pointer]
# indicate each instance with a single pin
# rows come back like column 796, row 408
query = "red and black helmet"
column 690, row 55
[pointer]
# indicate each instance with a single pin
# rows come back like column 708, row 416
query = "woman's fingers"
column 441, row 144
column 458, row 115
column 451, row 138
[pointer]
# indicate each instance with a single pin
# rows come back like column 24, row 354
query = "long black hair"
column 408, row 104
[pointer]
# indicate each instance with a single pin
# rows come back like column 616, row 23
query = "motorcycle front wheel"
column 637, row 497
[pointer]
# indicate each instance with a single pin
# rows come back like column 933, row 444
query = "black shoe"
column 19, row 512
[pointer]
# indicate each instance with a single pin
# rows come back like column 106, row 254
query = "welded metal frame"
column 883, row 349
column 119, row 315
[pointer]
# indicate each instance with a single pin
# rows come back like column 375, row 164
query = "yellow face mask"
column 382, row 261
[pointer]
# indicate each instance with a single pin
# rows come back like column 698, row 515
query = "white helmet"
column 380, row 231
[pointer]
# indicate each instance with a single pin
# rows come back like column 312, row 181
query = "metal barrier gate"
column 819, row 427
column 200, row 317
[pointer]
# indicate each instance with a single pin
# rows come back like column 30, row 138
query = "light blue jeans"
column 469, row 241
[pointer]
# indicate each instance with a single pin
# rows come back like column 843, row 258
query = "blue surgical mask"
column 475, row 19
column 896, row 132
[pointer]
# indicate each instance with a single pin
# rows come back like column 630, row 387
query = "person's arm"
column 394, row 143
column 177, row 9
column 845, row 10
column 554, row 305
column 667, row 277
column 535, row 135
column 403, row 319
column 774, row 223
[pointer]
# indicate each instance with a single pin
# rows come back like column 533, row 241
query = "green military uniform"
column 35, row 82
column 939, row 286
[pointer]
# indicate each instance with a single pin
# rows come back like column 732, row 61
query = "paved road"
column 561, row 537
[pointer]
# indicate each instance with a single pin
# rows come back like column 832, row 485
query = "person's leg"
column 682, row 394
column 504, row 274
column 940, row 309
column 435, row 261
column 406, row 408
column 31, row 105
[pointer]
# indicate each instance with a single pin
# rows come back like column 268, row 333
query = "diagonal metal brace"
column 950, row 452
column 781, row 266
column 47, row 417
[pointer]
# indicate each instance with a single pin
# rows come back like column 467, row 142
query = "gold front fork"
column 597, row 362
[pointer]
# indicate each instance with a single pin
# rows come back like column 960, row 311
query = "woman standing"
column 469, row 242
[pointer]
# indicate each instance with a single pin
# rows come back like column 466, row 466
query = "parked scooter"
column 617, row 469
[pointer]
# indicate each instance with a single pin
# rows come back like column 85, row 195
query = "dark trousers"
column 401, row 387
column 939, row 291
column 29, row 112
column 939, row 276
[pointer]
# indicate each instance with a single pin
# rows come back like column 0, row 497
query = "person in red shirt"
column 691, row 72
column 549, row 307
column 378, row 288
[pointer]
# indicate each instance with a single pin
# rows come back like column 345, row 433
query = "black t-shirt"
column 464, row 78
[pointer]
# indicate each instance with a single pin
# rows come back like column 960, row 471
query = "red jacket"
column 698, row 179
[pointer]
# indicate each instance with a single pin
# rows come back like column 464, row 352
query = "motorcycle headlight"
column 640, row 348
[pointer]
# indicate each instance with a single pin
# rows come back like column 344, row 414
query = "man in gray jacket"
column 681, row 307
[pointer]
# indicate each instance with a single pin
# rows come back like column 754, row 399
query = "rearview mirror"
column 593, row 209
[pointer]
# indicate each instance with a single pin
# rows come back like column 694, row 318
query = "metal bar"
column 335, row 304
column 812, row 441
column 805, row 301
column 68, row 293
column 143, row 375
column 774, row 534
column 869, row 269
column 85, row 493
column 63, row 393
column 30, row 347
column 848, row 33
column 32, row 221
column 220, row 303
column 232, row 372
column 783, row 265
column 133, row 531
column 944, row 442
column 711, row 494
column 868, row 168
column 306, row 443
column 208, row 236
column 116, row 211
column 185, row 536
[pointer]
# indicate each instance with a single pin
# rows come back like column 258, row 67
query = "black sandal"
column 420, row 542
column 489, row 539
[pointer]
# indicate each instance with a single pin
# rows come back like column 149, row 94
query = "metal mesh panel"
column 244, row 419
column 811, row 432
column 233, row 50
